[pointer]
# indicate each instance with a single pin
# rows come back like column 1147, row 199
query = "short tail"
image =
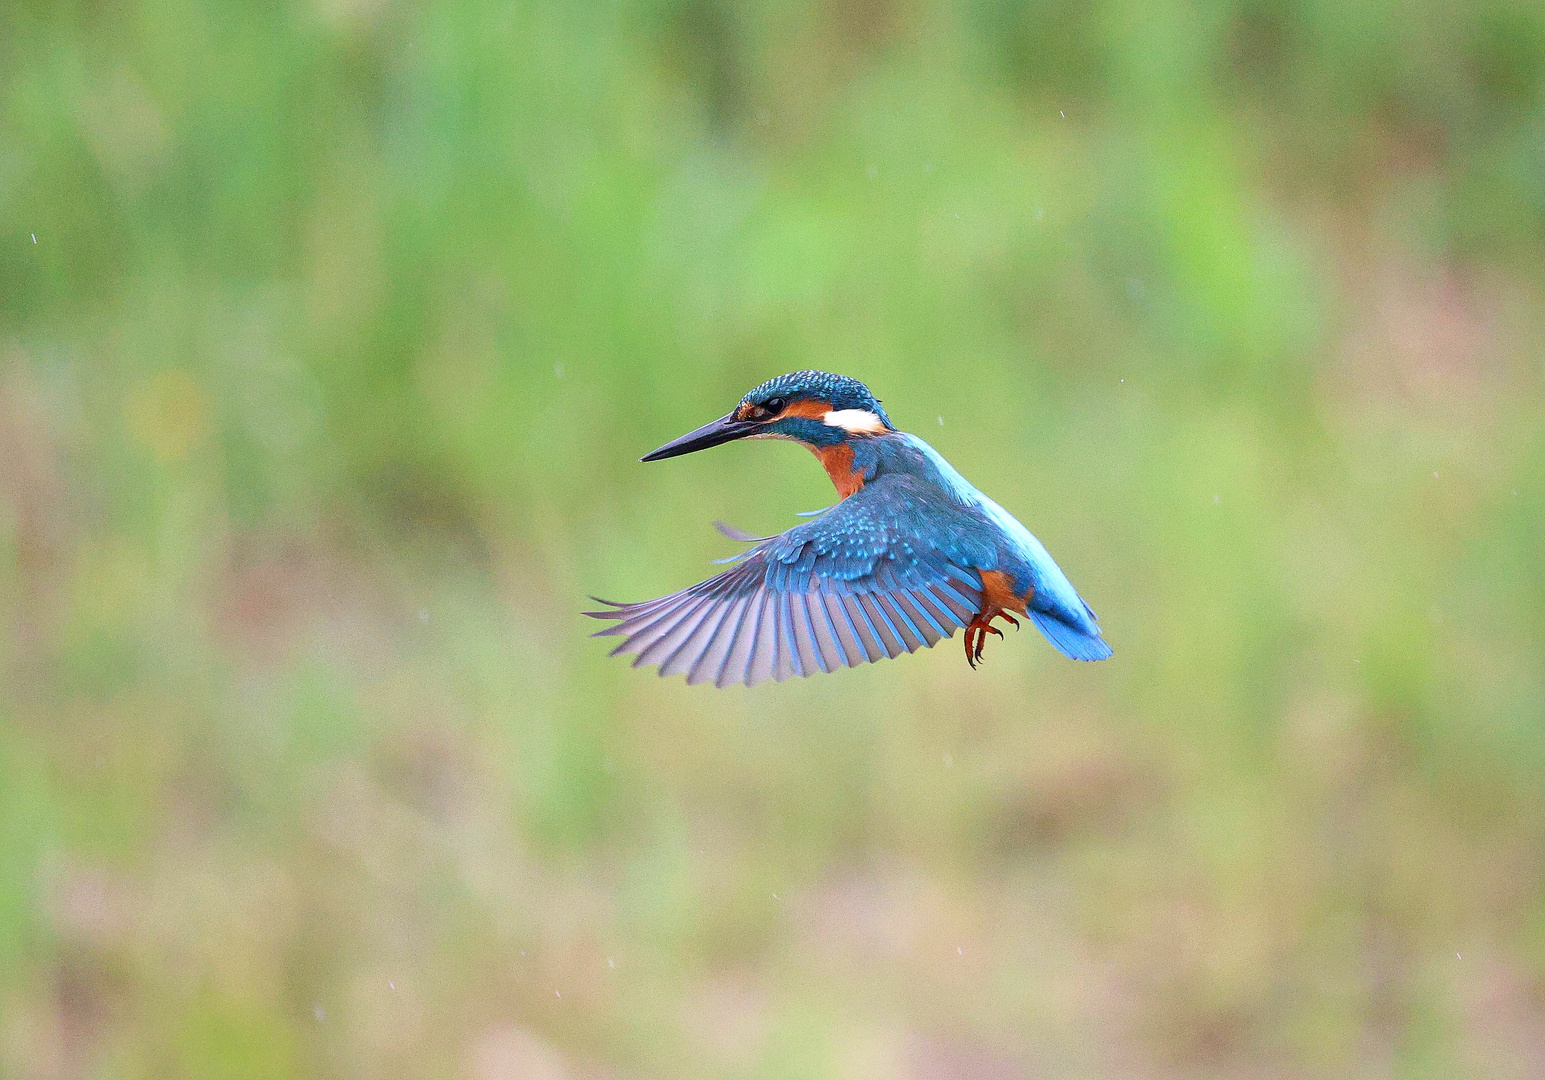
column 1071, row 642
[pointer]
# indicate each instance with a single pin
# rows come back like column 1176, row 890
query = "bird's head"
column 816, row 408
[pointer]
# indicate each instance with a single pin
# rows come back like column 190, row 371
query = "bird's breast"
column 838, row 462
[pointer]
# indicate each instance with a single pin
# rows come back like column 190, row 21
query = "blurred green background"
column 330, row 334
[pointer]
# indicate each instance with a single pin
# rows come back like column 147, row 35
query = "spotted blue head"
column 816, row 408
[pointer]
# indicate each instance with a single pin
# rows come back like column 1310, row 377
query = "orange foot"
column 977, row 633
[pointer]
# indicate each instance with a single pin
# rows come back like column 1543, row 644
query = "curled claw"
column 976, row 635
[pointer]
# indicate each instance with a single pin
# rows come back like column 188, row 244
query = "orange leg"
column 977, row 633
column 997, row 595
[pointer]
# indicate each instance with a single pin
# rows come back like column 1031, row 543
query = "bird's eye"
column 773, row 406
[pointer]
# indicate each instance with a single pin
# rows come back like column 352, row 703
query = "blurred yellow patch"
column 168, row 414
column 112, row 578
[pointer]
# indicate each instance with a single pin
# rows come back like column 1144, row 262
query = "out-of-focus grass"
column 330, row 334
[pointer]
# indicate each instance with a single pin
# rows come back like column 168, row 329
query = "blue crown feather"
column 839, row 390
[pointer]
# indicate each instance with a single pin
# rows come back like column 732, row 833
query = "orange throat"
column 838, row 462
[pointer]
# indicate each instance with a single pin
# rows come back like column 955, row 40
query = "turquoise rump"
column 911, row 553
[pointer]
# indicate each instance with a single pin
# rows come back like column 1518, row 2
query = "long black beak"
column 723, row 430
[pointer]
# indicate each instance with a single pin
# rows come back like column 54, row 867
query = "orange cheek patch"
column 809, row 409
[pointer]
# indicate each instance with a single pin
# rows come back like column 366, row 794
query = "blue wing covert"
column 877, row 575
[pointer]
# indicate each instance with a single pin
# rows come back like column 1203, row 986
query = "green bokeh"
column 330, row 334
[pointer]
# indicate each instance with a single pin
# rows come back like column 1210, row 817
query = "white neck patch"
column 855, row 420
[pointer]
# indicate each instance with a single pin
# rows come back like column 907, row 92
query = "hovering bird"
column 908, row 554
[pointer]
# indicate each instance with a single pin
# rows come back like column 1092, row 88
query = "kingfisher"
column 908, row 554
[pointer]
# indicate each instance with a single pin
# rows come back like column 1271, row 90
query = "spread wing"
column 890, row 569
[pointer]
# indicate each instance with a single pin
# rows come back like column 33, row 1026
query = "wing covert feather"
column 886, row 571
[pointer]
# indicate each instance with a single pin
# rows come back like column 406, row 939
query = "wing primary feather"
column 639, row 611
column 715, row 585
column 837, row 626
column 921, row 617
column 653, row 621
column 687, row 655
column 852, row 632
column 792, row 658
column 739, row 641
column 879, row 624
column 605, row 614
column 639, row 633
column 813, row 642
column 661, row 635
column 792, row 661
column 744, row 637
column 737, row 660
column 643, row 615
column 763, row 660
column 952, row 603
column 868, row 638
column 714, row 601
column 719, row 647
column 943, row 618
column 884, row 625
column 910, row 634
column 717, row 644
column 668, row 646
column 824, row 632
column 852, row 639
column 970, row 598
column 740, row 644
column 777, row 661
